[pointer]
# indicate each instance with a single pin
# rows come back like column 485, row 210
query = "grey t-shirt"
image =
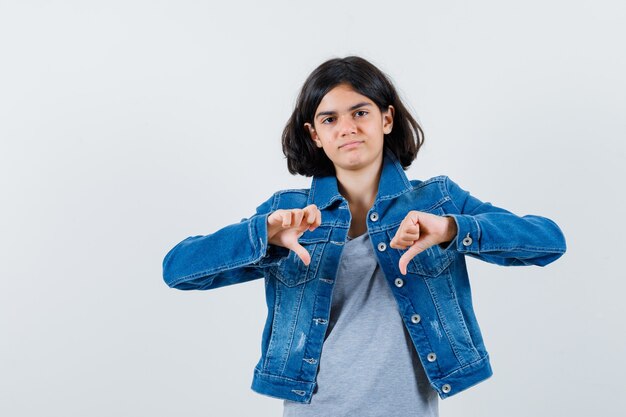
column 368, row 366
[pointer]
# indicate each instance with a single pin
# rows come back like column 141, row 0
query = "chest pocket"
column 431, row 262
column 291, row 271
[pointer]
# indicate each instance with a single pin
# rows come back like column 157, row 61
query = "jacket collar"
column 393, row 182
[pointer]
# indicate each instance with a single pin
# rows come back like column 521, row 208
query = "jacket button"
column 399, row 282
column 374, row 216
column 382, row 246
column 467, row 240
column 446, row 388
column 415, row 318
column 431, row 357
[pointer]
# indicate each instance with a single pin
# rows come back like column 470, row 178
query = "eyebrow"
column 331, row 112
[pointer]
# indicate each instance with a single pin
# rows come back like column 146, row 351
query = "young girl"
column 369, row 303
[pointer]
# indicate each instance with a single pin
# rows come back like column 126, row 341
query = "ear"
column 313, row 134
column 388, row 120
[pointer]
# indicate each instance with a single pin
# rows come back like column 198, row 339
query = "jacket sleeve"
column 498, row 236
column 233, row 254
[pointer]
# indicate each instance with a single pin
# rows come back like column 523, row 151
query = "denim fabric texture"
column 434, row 298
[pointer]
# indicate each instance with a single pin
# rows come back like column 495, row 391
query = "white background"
column 127, row 126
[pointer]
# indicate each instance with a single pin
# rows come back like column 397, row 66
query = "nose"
column 346, row 126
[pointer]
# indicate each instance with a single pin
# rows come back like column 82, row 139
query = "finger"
column 408, row 232
column 402, row 265
column 413, row 229
column 394, row 242
column 302, row 253
column 310, row 214
column 286, row 218
column 412, row 225
column 403, row 243
column 315, row 217
column 407, row 256
column 298, row 214
column 411, row 219
column 402, row 239
column 406, row 235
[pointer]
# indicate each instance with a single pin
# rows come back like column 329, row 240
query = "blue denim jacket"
column 433, row 298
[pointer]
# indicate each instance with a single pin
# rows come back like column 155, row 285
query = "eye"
column 364, row 112
column 327, row 119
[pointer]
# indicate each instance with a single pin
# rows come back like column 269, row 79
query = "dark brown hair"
column 303, row 157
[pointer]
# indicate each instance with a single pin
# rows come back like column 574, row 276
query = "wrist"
column 451, row 229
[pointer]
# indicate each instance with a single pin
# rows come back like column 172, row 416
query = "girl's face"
column 350, row 128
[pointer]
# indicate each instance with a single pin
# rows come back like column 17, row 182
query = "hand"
column 419, row 231
column 284, row 227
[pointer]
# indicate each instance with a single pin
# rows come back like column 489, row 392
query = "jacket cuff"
column 468, row 234
column 264, row 253
column 258, row 236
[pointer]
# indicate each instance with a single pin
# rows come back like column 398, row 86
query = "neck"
column 359, row 187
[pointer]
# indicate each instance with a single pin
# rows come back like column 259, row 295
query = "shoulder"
column 290, row 198
column 438, row 182
column 438, row 188
column 286, row 198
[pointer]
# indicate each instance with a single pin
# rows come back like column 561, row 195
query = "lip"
column 351, row 144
